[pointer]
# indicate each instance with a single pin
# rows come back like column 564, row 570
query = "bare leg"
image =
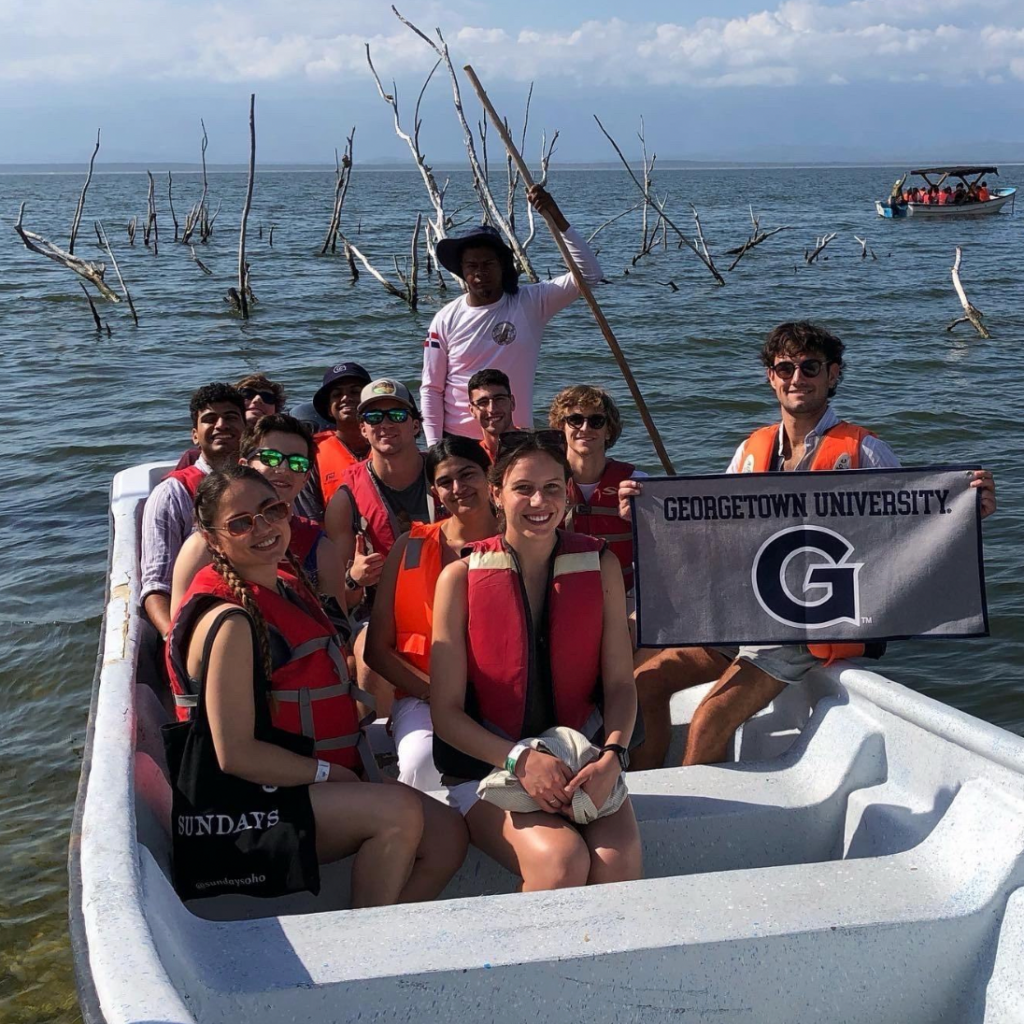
column 370, row 681
column 441, row 851
column 657, row 677
column 381, row 825
column 614, row 844
column 543, row 849
column 742, row 691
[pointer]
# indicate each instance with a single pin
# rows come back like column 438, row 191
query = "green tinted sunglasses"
column 375, row 417
column 273, row 458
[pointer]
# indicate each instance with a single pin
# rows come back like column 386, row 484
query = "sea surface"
column 78, row 405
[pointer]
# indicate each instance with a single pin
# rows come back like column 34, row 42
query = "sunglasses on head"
column 266, row 397
column 596, row 421
column 375, row 417
column 510, row 440
column 241, row 526
column 273, row 458
column 785, row 368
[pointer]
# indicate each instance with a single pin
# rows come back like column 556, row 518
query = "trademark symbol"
column 865, row 620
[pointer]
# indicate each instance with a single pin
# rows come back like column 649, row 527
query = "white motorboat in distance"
column 859, row 859
column 939, row 177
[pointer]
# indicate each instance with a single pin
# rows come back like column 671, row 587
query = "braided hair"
column 208, row 498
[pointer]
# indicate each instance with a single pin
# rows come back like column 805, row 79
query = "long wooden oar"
column 602, row 322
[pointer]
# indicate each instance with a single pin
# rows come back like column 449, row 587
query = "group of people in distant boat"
column 476, row 594
column 935, row 195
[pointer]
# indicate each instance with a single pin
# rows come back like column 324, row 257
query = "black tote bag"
column 229, row 835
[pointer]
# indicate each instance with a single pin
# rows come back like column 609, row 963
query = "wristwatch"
column 350, row 584
column 620, row 752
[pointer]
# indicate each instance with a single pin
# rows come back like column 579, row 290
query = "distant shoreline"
column 126, row 168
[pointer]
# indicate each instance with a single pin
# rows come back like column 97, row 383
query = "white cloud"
column 797, row 42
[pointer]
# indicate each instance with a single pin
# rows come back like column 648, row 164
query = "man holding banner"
column 803, row 364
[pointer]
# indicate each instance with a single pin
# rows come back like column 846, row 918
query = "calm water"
column 80, row 407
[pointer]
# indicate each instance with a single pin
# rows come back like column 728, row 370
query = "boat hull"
column 862, row 859
column 993, row 205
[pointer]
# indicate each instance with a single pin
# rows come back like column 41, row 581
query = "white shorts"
column 462, row 796
column 413, row 732
column 789, row 663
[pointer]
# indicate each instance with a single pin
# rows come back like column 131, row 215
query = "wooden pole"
column 602, row 322
column 243, row 276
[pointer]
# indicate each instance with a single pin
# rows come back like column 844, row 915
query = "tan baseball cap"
column 386, row 387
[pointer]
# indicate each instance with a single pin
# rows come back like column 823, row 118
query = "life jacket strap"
column 321, row 693
column 186, row 700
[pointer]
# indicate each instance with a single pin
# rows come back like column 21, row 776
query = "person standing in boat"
column 529, row 633
column 218, row 419
column 492, row 404
column 243, row 622
column 804, row 365
column 592, row 424
column 280, row 448
column 399, row 635
column 496, row 324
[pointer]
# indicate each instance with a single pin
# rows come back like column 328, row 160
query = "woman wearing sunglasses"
column 398, row 639
column 246, row 631
column 529, row 632
column 279, row 448
column 592, row 424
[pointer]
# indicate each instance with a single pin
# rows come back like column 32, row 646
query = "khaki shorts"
column 789, row 663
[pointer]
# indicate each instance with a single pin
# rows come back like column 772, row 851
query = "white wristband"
column 323, row 771
column 513, row 757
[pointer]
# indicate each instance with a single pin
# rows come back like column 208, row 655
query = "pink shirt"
column 505, row 335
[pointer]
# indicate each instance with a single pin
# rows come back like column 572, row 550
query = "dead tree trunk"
column 101, row 232
column 243, row 270
column 972, row 315
column 757, row 236
column 151, row 230
column 197, row 215
column 81, row 199
column 131, row 230
column 819, row 246
column 170, row 202
column 83, row 268
column 343, row 173
column 865, row 249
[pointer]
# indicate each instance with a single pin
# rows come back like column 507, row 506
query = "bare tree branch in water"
column 92, row 308
column 151, row 230
column 197, row 215
column 684, row 239
column 612, row 220
column 648, row 168
column 511, row 170
column 819, row 247
column 83, row 268
column 757, row 236
column 170, row 202
column 545, row 162
column 479, row 177
column 101, row 232
column 131, row 230
column 409, row 278
column 865, row 249
column 972, row 314
column 202, row 266
column 81, row 199
column 243, row 267
column 342, row 176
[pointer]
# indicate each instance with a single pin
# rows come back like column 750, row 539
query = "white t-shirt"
column 505, row 336
column 587, row 490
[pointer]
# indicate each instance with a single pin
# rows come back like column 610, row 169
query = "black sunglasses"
column 511, row 440
column 595, row 421
column 785, row 368
column 267, row 397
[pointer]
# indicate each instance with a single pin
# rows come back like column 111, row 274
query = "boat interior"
column 859, row 857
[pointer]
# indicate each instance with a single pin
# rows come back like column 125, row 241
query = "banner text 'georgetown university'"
column 771, row 558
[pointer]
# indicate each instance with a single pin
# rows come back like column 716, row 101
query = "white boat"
column 860, row 859
column 939, row 176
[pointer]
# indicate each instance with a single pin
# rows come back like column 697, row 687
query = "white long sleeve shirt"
column 504, row 335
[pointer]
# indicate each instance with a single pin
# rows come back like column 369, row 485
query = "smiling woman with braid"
column 246, row 631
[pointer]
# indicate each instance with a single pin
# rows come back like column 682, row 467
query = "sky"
column 789, row 81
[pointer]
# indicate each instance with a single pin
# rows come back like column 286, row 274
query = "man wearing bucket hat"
column 497, row 323
column 337, row 401
column 379, row 500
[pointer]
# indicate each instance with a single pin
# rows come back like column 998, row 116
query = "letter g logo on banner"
column 835, row 578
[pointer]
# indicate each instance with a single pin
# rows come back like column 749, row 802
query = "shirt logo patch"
column 503, row 333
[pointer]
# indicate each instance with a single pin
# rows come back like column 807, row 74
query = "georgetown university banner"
column 764, row 558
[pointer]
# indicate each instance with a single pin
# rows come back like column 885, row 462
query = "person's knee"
column 562, row 868
column 402, row 816
column 619, row 864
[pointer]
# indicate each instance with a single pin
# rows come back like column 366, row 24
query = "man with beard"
column 218, row 419
column 496, row 325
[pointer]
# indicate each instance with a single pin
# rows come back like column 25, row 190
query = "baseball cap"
column 386, row 387
column 331, row 376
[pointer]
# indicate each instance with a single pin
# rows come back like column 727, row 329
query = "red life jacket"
column 190, row 478
column 839, row 448
column 310, row 693
column 305, row 535
column 333, row 457
column 371, row 514
column 499, row 633
column 600, row 518
column 983, row 195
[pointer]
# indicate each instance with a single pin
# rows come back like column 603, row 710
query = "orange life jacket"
column 310, row 692
column 371, row 514
column 600, row 518
column 839, row 448
column 190, row 478
column 414, row 595
column 333, row 457
column 983, row 195
column 487, row 452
